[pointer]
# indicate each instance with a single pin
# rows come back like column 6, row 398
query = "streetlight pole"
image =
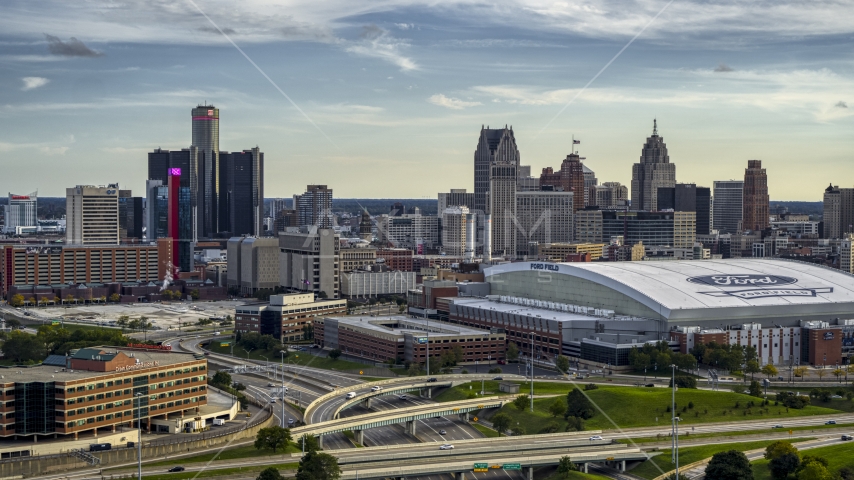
column 427, row 318
column 532, row 372
column 139, row 439
column 675, row 423
column 283, row 388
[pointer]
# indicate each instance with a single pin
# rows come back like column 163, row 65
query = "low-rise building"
column 557, row 252
column 286, row 317
column 253, row 263
column 405, row 339
column 366, row 284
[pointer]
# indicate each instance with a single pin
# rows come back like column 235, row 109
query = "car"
column 272, row 400
column 176, row 469
column 432, row 379
column 446, row 446
column 290, row 421
column 502, row 362
column 847, row 437
column 350, row 395
column 376, row 388
column 830, row 422
column 596, row 437
column 402, row 397
column 650, row 385
column 442, row 432
column 270, row 385
column 777, row 426
column 217, row 333
column 498, row 378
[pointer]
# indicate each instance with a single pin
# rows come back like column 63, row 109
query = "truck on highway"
column 350, row 395
column 218, row 421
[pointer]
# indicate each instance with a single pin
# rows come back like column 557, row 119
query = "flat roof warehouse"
column 690, row 292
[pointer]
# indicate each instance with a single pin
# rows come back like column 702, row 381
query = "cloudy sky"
column 386, row 98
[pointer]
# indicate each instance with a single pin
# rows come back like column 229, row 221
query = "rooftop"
column 400, row 324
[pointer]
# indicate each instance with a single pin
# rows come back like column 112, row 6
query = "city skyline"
column 402, row 88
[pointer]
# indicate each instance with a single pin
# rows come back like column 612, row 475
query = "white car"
column 446, row 446
column 376, row 388
column 596, row 437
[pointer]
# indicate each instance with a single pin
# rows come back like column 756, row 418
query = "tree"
column 501, row 421
column 512, row 352
column 521, row 402
column 574, row 424
column 495, row 370
column 334, row 354
column 318, row 466
column 221, row 378
column 17, row 300
column 562, row 363
column 13, row 323
column 577, row 405
column 729, row 465
column 270, row 473
column 194, row 294
column 799, row 371
column 458, row 354
column 557, row 407
column 769, row 371
column 115, row 298
column 784, row 465
column 755, row 389
column 838, row 373
column 517, row 430
column 322, row 294
column 752, row 367
column 415, row 369
column 310, row 441
column 23, row 347
column 274, row 437
column 565, row 466
column 821, row 373
column 684, row 381
column 813, row 470
column 68, row 298
column 778, row 449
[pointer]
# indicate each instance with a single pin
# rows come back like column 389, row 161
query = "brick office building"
column 286, row 316
column 96, row 389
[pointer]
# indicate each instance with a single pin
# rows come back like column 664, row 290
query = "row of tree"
column 56, row 339
column 659, row 356
column 314, row 465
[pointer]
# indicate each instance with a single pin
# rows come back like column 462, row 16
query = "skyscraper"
column 92, row 215
column 502, row 207
column 21, row 211
column 838, row 212
column 543, row 217
column 570, row 178
column 241, row 192
column 653, row 172
column 590, row 180
column 493, row 146
column 456, row 198
column 756, row 215
column 727, row 210
column 206, row 139
column 156, row 210
column 314, row 207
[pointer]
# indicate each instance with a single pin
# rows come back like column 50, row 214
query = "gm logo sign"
column 111, row 192
column 743, row 280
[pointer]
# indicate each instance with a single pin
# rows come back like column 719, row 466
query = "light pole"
column 139, row 439
column 427, row 318
column 532, row 372
column 283, row 388
column 675, row 424
column 266, row 364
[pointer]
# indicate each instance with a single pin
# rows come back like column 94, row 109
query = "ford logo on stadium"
column 743, row 280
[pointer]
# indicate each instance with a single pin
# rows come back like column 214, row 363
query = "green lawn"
column 661, row 463
column 245, row 451
column 575, row 476
column 223, row 472
column 640, row 407
column 487, row 432
column 462, row 392
column 837, row 456
column 843, row 428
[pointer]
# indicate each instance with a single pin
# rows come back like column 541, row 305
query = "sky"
column 385, row 99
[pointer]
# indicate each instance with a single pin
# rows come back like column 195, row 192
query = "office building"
column 359, row 257
column 674, row 229
column 309, row 261
column 314, row 207
column 756, row 207
column 253, row 264
column 288, row 317
column 278, row 204
column 687, row 197
column 285, row 218
column 156, row 210
column 241, row 192
column 366, row 227
column 130, row 216
column 455, row 229
column 206, row 140
column 502, row 207
column 413, row 231
column 95, row 390
column 588, row 225
column 558, row 252
column 590, row 180
column 494, row 146
column 543, row 217
column 405, row 339
column 838, row 212
column 570, row 178
column 653, row 172
column 92, row 215
column 727, row 209
column 399, row 259
column 20, row 212
column 397, row 209
column 183, row 169
column 609, row 195
column 846, row 254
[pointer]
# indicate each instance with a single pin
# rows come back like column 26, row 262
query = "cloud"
column 210, row 29
column 31, row 83
column 841, row 104
column 452, row 103
column 71, row 48
column 378, row 43
column 405, row 26
column 723, row 68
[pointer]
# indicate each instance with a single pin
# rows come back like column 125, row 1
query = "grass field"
column 843, row 428
column 462, row 392
column 640, row 407
column 487, row 432
column 223, row 472
column 661, row 463
column 576, row 476
column 246, row 451
column 837, row 456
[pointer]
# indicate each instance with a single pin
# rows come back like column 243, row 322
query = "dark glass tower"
column 242, row 192
column 206, row 139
